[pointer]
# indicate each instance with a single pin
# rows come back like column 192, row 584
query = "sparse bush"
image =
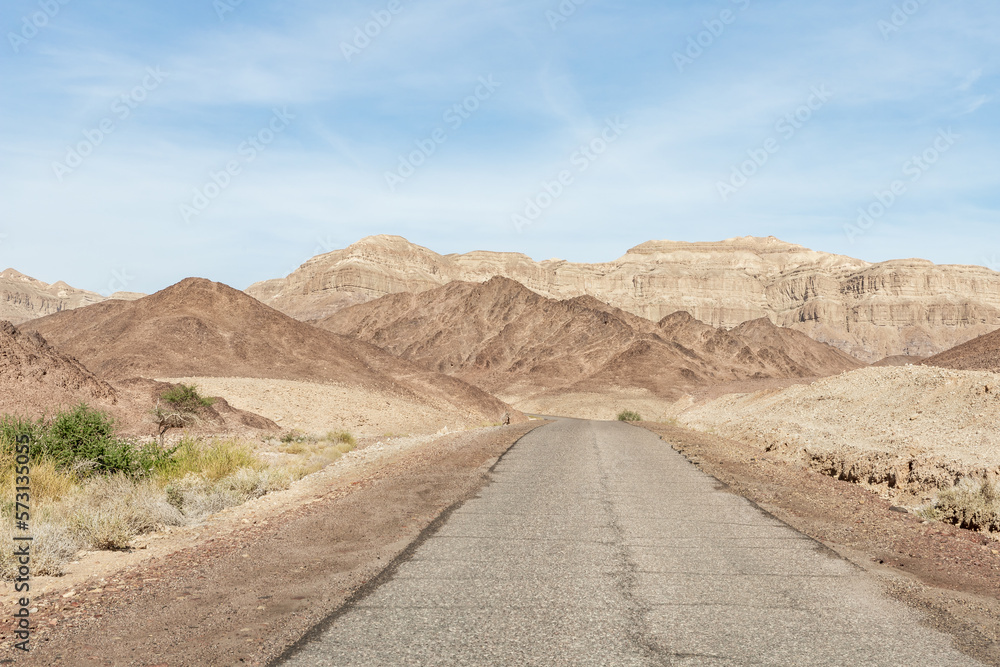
column 174, row 497
column 629, row 416
column 92, row 489
column 178, row 407
column 341, row 437
column 294, row 436
column 969, row 504
column 249, row 483
column 186, row 397
column 111, row 511
column 52, row 547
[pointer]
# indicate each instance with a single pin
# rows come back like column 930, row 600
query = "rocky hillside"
column 203, row 328
column 23, row 298
column 902, row 307
column 510, row 341
column 979, row 354
column 33, row 373
column 38, row 380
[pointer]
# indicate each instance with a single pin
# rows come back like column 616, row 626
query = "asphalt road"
column 597, row 544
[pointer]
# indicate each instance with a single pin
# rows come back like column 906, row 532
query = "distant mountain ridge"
column 901, row 307
column 24, row 298
column 516, row 344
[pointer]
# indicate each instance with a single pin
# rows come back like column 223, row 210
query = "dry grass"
column 53, row 547
column 111, row 511
column 71, row 513
column 212, row 459
column 312, row 456
column 969, row 504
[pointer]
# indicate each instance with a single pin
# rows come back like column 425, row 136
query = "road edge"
column 389, row 571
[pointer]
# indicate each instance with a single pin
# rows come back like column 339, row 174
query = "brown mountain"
column 507, row 339
column 980, row 354
column 900, row 307
column 33, row 373
column 23, row 298
column 201, row 328
column 38, row 380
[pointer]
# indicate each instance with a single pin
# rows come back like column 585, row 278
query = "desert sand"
column 911, row 428
column 316, row 407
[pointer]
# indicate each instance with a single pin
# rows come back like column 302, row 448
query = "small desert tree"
column 178, row 407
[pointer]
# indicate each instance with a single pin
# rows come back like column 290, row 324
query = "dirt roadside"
column 950, row 574
column 243, row 595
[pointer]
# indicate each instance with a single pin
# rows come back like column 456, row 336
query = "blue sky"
column 246, row 137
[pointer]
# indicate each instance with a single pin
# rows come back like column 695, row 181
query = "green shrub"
column 12, row 427
column 183, row 408
column 629, row 416
column 83, row 440
column 295, row 436
column 186, row 398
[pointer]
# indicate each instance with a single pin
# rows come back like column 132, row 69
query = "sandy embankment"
column 314, row 407
column 910, row 428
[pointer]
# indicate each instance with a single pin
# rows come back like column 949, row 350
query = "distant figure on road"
column 506, row 419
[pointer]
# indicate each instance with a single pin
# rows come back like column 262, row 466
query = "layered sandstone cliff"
column 872, row 311
column 24, row 298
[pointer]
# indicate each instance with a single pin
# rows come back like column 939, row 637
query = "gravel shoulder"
column 951, row 574
column 242, row 588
